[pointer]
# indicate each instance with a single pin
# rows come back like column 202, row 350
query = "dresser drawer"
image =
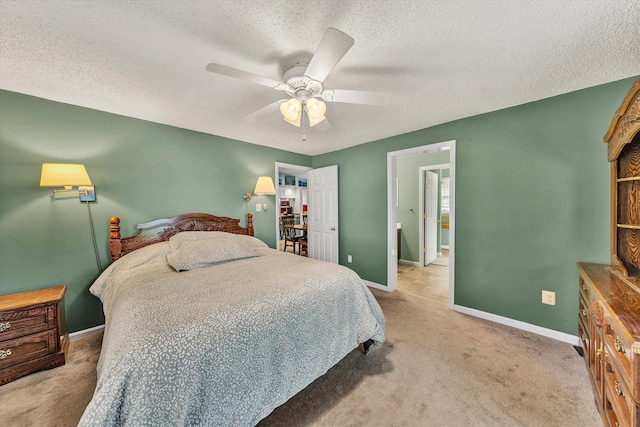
column 618, row 395
column 584, row 289
column 23, row 349
column 621, row 355
column 18, row 323
column 583, row 311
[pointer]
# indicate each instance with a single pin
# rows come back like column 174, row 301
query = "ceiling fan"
column 303, row 84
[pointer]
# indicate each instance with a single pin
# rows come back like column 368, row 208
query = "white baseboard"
column 86, row 332
column 376, row 285
column 444, row 246
column 539, row 330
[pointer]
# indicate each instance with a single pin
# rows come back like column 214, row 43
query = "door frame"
column 421, row 171
column 287, row 166
column 392, row 194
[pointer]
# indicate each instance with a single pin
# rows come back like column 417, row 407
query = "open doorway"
column 413, row 215
column 291, row 198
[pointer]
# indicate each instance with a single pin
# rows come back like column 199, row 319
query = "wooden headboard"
column 161, row 230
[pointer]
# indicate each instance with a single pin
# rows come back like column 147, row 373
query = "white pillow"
column 177, row 239
column 192, row 254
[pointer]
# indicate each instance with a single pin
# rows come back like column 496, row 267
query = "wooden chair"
column 302, row 246
column 290, row 237
column 302, row 242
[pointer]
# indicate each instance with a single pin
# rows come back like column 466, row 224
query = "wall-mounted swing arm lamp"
column 264, row 187
column 69, row 175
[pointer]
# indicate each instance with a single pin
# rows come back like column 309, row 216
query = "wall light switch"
column 549, row 297
column 349, row 259
column 258, row 207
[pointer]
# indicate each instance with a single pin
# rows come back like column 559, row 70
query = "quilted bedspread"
column 221, row 344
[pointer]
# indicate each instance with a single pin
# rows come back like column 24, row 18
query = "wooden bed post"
column 115, row 243
column 250, row 223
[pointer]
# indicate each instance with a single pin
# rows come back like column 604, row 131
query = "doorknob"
column 333, row 229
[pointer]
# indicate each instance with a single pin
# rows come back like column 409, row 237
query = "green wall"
column 532, row 196
column 408, row 211
column 532, row 199
column 141, row 171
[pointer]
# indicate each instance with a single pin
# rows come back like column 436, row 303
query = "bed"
column 206, row 325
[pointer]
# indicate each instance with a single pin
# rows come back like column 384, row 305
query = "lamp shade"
column 316, row 110
column 264, row 186
column 291, row 111
column 64, row 174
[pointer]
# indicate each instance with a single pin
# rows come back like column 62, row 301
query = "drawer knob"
column 584, row 312
column 618, row 389
column 5, row 353
column 619, row 345
column 4, row 326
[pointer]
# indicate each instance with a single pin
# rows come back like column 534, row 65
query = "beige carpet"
column 437, row 368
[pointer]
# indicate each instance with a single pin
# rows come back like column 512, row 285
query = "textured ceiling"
column 438, row 60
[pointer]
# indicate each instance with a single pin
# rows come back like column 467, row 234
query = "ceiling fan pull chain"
column 304, row 123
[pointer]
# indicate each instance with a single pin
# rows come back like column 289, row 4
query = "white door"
column 322, row 232
column 430, row 217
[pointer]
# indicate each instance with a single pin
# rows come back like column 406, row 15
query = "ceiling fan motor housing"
column 299, row 86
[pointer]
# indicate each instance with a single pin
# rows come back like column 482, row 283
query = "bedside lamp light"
column 68, row 175
column 264, row 187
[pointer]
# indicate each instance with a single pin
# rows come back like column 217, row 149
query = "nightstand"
column 33, row 334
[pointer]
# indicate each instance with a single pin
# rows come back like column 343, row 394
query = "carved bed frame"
column 161, row 230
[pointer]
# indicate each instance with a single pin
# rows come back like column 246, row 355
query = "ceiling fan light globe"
column 316, row 109
column 314, row 121
column 290, row 109
column 295, row 122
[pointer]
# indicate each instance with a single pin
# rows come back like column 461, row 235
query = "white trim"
column 539, row 330
column 86, row 332
column 421, row 171
column 377, row 286
column 392, row 237
column 444, row 247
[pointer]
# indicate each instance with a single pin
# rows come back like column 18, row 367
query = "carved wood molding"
column 626, row 122
column 596, row 314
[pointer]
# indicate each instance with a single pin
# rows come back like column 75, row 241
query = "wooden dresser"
column 32, row 332
column 609, row 305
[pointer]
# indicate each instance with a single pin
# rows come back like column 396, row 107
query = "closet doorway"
column 399, row 210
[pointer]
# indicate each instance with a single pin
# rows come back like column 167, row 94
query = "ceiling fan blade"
column 275, row 106
column 332, row 48
column 242, row 75
column 355, row 97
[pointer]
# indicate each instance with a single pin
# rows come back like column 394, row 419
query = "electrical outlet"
column 549, row 297
column 258, row 207
column 349, row 259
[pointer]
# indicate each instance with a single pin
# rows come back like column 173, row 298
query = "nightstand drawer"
column 18, row 323
column 19, row 350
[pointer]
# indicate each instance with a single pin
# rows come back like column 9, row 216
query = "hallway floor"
column 430, row 282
